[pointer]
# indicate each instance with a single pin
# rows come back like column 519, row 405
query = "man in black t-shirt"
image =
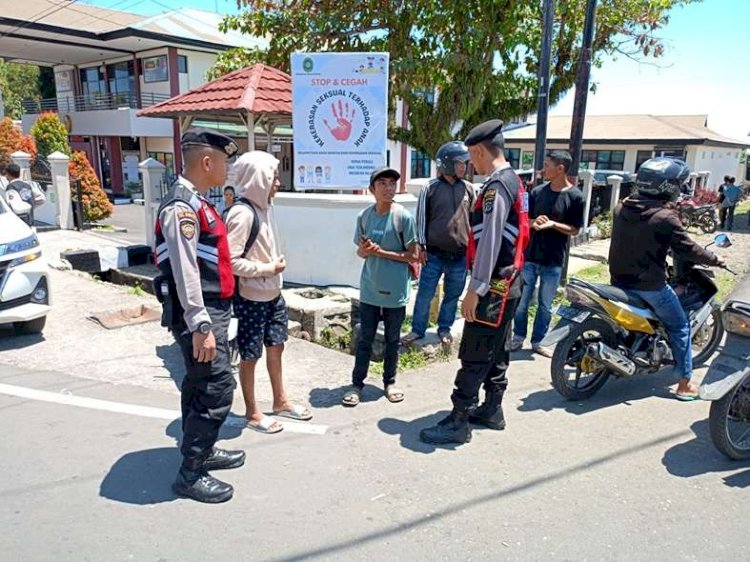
column 556, row 212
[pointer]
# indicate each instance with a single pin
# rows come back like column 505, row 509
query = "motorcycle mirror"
column 722, row 241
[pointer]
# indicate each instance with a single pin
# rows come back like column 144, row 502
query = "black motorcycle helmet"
column 662, row 178
column 447, row 156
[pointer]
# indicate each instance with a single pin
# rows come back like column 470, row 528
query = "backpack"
column 397, row 215
column 254, row 231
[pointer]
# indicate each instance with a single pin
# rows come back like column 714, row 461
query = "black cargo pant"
column 207, row 389
column 485, row 357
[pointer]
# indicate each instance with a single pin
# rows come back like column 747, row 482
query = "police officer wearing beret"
column 195, row 288
column 499, row 235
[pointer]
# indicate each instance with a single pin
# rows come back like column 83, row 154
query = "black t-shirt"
column 547, row 247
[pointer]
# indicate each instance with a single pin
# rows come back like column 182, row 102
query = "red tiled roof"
column 257, row 89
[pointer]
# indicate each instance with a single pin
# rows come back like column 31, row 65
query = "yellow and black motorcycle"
column 607, row 331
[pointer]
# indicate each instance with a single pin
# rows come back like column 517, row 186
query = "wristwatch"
column 204, row 328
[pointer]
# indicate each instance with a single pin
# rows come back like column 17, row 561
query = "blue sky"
column 705, row 69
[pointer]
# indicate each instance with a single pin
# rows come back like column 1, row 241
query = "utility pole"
column 582, row 90
column 542, row 108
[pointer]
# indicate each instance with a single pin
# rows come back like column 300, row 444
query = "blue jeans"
column 549, row 279
column 455, row 279
column 668, row 309
column 369, row 318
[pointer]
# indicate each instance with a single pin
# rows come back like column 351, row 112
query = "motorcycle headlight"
column 736, row 322
column 20, row 245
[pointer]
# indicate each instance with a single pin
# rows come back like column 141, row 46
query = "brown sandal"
column 352, row 397
column 393, row 394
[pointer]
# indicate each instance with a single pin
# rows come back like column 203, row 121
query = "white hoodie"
column 254, row 172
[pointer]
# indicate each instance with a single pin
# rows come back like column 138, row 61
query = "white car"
column 24, row 279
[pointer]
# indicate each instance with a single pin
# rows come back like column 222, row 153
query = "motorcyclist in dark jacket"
column 645, row 226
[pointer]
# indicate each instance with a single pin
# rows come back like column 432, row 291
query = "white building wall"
column 631, row 151
column 719, row 160
column 326, row 223
column 198, row 65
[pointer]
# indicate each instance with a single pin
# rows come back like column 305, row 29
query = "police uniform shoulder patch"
column 187, row 228
column 488, row 200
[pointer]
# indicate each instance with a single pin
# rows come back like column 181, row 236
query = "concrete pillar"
column 703, row 179
column 23, row 160
column 587, row 176
column 152, row 174
column 707, row 183
column 693, row 181
column 59, row 192
column 615, row 181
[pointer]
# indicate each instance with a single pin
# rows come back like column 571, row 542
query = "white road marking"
column 136, row 410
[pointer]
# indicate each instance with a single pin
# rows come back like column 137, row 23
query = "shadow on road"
column 171, row 357
column 409, row 432
column 331, row 397
column 699, row 456
column 614, row 392
column 142, row 477
column 10, row 340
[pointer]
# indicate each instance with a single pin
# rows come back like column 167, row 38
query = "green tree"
column 50, row 135
column 18, row 82
column 481, row 55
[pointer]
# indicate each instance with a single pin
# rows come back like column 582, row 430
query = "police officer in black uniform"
column 499, row 235
column 196, row 287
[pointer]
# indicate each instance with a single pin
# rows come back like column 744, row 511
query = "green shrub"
column 50, row 135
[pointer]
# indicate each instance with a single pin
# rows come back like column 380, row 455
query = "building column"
column 59, row 193
column 614, row 181
column 174, row 89
column 152, row 173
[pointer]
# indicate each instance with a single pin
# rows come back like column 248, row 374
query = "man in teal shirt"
column 386, row 239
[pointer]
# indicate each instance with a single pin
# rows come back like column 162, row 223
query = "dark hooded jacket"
column 643, row 230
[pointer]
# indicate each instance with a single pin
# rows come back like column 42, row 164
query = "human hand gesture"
column 279, row 265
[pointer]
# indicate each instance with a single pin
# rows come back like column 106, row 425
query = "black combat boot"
column 221, row 459
column 453, row 429
column 490, row 413
column 200, row 486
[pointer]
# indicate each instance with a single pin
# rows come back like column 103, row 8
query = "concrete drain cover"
column 112, row 319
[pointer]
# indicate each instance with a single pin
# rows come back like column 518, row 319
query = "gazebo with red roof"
column 258, row 95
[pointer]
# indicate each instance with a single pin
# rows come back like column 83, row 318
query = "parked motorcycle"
column 607, row 331
column 727, row 383
column 701, row 216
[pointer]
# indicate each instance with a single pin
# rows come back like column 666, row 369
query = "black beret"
column 384, row 172
column 207, row 137
column 484, row 131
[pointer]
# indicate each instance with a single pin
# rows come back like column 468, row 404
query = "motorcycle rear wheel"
column 730, row 416
column 571, row 352
column 711, row 333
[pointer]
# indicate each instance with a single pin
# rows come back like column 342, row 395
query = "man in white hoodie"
column 259, row 305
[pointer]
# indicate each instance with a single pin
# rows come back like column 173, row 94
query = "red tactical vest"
column 214, row 260
column 515, row 232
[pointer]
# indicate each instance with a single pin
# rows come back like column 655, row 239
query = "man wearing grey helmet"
column 442, row 232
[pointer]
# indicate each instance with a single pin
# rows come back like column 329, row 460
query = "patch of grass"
column 407, row 325
column 104, row 228
column 137, row 289
column 411, row 359
column 328, row 338
column 742, row 207
column 598, row 273
column 725, row 282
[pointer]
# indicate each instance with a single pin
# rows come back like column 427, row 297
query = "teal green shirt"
column 385, row 282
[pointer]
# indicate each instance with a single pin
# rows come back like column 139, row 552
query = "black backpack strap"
column 255, row 228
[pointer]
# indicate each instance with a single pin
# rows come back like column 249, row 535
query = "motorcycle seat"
column 620, row 295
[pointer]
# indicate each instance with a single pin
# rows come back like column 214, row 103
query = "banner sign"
column 340, row 118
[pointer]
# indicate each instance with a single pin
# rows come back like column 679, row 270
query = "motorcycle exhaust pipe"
column 612, row 359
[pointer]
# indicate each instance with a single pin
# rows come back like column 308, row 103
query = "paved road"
column 131, row 217
column 88, row 453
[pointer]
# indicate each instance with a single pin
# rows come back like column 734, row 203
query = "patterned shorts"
column 259, row 324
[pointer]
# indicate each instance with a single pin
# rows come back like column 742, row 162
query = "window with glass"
column 94, row 86
column 166, row 158
column 121, row 77
column 641, row 157
column 182, row 66
column 513, row 156
column 420, row 164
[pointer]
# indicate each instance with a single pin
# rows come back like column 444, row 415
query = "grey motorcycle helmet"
column 662, row 178
column 447, row 156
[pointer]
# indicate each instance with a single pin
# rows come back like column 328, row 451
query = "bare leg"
column 247, row 382
column 273, row 364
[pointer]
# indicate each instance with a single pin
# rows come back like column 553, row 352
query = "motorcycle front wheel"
column 729, row 421
column 707, row 224
column 707, row 338
column 576, row 375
